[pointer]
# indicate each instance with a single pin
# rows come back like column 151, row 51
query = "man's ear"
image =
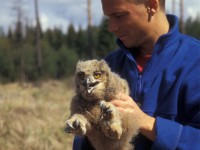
column 152, row 6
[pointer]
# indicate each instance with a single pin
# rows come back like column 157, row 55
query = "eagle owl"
column 93, row 115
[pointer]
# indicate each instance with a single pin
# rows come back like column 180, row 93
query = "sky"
column 60, row 13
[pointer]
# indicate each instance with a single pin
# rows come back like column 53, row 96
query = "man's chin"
column 128, row 45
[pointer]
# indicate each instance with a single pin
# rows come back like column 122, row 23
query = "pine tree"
column 71, row 37
column 192, row 26
column 106, row 40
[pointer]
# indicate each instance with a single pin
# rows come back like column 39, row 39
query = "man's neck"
column 158, row 28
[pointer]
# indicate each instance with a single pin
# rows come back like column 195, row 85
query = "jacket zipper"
column 139, row 87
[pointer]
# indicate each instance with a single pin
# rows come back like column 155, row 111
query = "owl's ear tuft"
column 104, row 65
column 79, row 65
column 79, row 62
column 103, row 62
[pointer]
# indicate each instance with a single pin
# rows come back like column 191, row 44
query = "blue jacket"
column 168, row 89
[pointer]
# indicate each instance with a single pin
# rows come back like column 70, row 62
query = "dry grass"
column 32, row 117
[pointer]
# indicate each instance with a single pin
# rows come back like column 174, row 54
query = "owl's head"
column 91, row 77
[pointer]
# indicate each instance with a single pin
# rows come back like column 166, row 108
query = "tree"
column 67, row 59
column 17, row 39
column 7, row 72
column 71, row 37
column 38, row 39
column 81, row 43
column 2, row 34
column 192, row 27
column 50, row 60
column 106, row 40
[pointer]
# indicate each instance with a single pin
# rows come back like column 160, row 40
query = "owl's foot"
column 108, row 110
column 110, row 120
column 76, row 125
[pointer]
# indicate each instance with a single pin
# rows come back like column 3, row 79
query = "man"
column 162, row 67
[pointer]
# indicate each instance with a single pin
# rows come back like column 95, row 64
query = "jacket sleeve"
column 171, row 135
column 81, row 143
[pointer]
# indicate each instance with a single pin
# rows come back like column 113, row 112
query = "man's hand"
column 147, row 123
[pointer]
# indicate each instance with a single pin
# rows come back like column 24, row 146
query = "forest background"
column 29, row 54
column 36, row 79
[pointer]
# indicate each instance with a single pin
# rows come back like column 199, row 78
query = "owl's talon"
column 76, row 126
column 104, row 108
column 109, row 110
column 69, row 127
column 76, row 123
column 102, row 105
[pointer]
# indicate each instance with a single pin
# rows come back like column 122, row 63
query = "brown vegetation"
column 32, row 117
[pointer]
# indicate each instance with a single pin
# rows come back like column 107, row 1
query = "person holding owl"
column 162, row 67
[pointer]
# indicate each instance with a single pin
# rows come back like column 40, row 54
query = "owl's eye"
column 97, row 75
column 81, row 75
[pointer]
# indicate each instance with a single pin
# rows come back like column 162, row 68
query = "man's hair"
column 162, row 3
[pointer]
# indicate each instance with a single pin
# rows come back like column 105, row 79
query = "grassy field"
column 32, row 116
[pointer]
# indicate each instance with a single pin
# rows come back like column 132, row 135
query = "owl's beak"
column 90, row 85
column 89, row 89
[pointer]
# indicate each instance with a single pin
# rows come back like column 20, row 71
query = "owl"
column 92, row 114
